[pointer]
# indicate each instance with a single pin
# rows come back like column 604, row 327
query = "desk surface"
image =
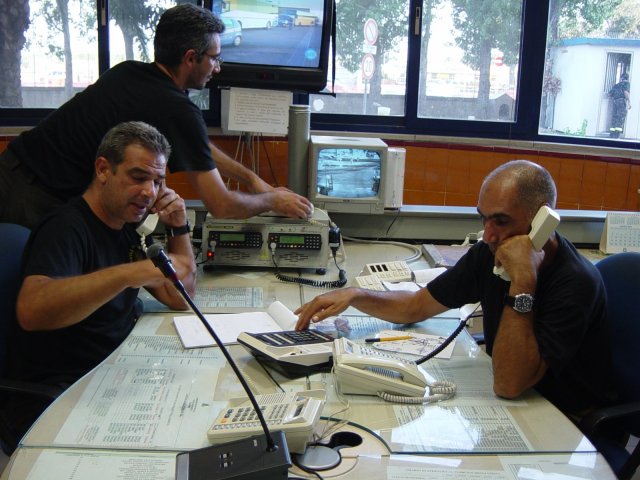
column 151, row 399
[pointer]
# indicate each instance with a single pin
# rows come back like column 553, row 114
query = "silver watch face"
column 523, row 303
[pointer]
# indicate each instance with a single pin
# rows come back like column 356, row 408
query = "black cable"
column 341, row 282
column 444, row 344
column 334, row 244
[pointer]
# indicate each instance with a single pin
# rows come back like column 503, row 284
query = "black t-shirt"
column 61, row 150
column 570, row 321
column 73, row 241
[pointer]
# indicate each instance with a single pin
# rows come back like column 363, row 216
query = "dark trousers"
column 23, row 198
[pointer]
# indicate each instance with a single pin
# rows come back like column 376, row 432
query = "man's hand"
column 170, row 207
column 291, row 204
column 520, row 260
column 323, row 306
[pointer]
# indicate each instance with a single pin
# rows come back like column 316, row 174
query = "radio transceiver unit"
column 267, row 238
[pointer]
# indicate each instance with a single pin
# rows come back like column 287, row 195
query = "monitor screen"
column 275, row 45
column 348, row 172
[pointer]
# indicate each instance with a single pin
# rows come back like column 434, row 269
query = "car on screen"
column 232, row 34
column 285, row 21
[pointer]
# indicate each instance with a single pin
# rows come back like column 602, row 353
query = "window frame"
column 524, row 127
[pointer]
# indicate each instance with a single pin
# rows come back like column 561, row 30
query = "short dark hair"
column 534, row 184
column 181, row 28
column 116, row 140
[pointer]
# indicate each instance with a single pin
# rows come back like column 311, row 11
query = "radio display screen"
column 292, row 239
column 232, row 237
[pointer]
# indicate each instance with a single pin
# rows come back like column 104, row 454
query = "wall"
column 449, row 173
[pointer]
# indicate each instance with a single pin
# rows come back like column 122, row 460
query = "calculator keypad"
column 293, row 337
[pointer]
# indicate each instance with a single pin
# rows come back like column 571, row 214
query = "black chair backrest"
column 621, row 275
column 13, row 239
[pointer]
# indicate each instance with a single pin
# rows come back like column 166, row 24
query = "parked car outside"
column 232, row 34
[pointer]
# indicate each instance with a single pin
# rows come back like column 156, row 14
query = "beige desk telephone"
column 367, row 371
column 542, row 226
column 295, row 413
column 375, row 273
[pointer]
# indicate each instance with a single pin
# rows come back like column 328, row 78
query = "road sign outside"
column 371, row 31
column 368, row 66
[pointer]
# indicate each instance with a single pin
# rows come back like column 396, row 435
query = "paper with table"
column 419, row 344
column 229, row 325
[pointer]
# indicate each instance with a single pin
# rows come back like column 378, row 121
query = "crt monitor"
column 275, row 45
column 348, row 174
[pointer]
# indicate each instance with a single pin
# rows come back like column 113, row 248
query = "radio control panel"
column 259, row 241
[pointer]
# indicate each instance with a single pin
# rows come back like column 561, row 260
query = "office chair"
column 13, row 239
column 621, row 275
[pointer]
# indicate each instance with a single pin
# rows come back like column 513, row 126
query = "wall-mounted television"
column 349, row 174
column 275, row 45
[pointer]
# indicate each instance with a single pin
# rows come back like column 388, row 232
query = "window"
column 371, row 59
column 436, row 67
column 55, row 54
column 589, row 56
column 469, row 60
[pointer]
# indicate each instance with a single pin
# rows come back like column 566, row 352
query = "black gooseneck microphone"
column 242, row 459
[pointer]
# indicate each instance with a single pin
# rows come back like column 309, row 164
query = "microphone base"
column 245, row 459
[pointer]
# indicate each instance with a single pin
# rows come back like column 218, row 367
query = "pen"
column 388, row 339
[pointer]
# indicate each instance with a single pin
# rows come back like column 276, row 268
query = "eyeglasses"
column 217, row 59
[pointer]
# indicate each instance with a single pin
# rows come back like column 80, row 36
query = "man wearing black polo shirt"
column 556, row 340
column 51, row 163
column 84, row 265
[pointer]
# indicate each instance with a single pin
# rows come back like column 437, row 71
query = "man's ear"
column 103, row 169
column 190, row 56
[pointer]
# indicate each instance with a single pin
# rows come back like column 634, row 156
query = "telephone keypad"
column 246, row 416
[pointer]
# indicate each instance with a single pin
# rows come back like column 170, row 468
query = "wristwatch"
column 522, row 303
column 175, row 231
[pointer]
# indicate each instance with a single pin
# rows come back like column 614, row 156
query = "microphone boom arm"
column 160, row 260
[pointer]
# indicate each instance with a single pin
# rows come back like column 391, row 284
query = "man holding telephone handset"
column 546, row 328
column 84, row 265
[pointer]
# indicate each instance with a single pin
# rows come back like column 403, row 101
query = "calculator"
column 293, row 353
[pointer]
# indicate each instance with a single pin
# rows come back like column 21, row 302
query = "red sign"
column 371, row 31
column 368, row 66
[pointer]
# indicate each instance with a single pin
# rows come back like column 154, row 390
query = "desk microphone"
column 243, row 459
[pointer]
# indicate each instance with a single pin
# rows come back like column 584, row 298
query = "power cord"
column 334, row 245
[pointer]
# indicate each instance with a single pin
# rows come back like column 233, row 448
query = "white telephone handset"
column 542, row 226
column 295, row 413
column 146, row 228
column 148, row 225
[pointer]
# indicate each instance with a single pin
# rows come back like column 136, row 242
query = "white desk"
column 151, row 399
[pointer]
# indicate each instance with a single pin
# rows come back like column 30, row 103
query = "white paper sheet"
column 228, row 326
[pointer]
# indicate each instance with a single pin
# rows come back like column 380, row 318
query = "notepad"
column 193, row 334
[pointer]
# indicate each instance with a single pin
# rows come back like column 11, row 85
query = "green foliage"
column 134, row 17
column 484, row 25
column 571, row 18
column 581, row 132
column 392, row 19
